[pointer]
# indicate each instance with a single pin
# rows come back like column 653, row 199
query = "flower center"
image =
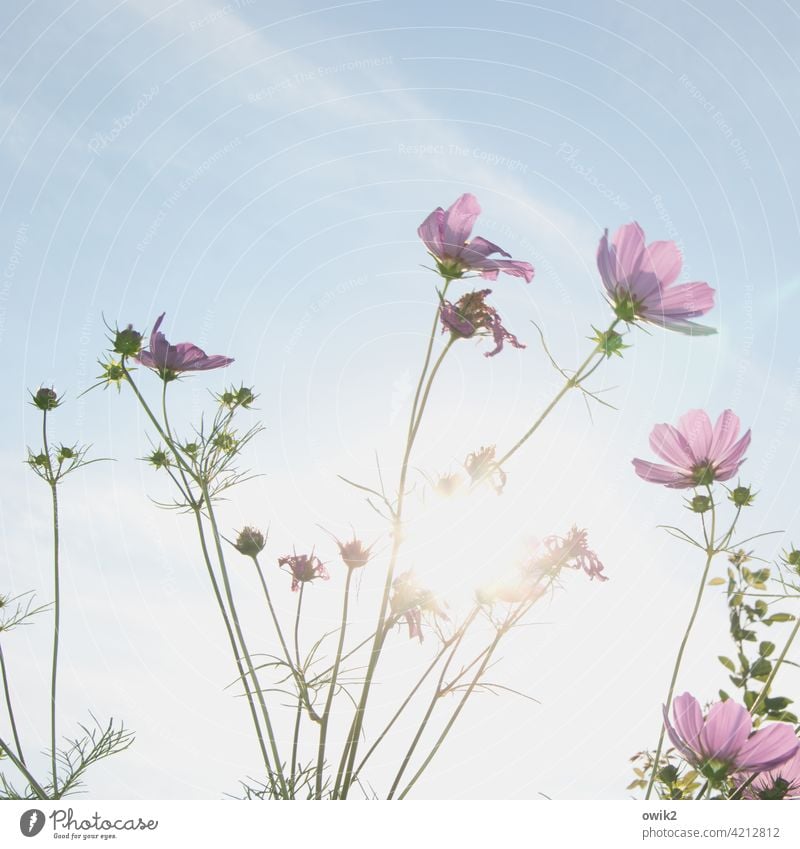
column 703, row 474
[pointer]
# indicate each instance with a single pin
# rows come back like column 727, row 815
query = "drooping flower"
column 170, row 360
column 481, row 465
column 639, row 281
column 698, row 453
column 447, row 237
column 723, row 742
column 571, row 551
column 782, row 782
column 471, row 315
column 409, row 601
column 303, row 568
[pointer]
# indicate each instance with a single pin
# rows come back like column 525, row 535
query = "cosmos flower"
column 782, row 782
column 724, row 741
column 409, row 601
column 471, row 315
column 303, row 568
column 169, row 360
column 640, row 281
column 697, row 453
column 354, row 553
column 447, row 237
column 571, row 551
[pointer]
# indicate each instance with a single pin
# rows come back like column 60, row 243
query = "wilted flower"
column 447, row 237
column 409, row 601
column 447, row 485
column 250, row 542
column 782, row 782
column 354, row 553
column 471, row 315
column 571, row 551
column 45, row 399
column 303, row 568
column 723, row 742
column 639, row 280
column 127, row 342
column 480, row 465
column 699, row 454
column 169, row 360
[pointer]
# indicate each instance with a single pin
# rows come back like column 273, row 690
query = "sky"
column 258, row 172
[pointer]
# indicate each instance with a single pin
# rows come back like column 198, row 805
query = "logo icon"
column 31, row 822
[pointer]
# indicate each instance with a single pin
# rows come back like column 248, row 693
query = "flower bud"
column 250, row 542
column 65, row 453
column 128, row 342
column 792, row 558
column 225, row 442
column 159, row 459
column 45, row 399
column 741, row 496
column 700, row 504
column 608, row 342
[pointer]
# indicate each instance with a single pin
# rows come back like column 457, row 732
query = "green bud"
column 45, row 399
column 128, row 342
column 159, row 459
column 700, row 504
column 225, row 442
column 608, row 342
column 250, row 542
column 191, row 448
column 741, row 496
column 792, row 557
column 66, row 453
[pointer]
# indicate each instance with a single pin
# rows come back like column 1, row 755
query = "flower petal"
column 664, row 260
column 671, row 445
column 667, row 475
column 727, row 727
column 698, row 432
column 458, row 223
column 769, row 747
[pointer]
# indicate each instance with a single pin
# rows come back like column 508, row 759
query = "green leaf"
column 766, row 648
column 777, row 703
column 779, row 617
column 761, row 669
column 716, row 582
column 727, row 663
column 750, row 698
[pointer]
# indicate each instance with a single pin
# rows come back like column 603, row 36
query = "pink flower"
column 409, row 601
column 481, row 465
column 698, row 453
column 303, row 569
column 639, row 280
column 447, row 237
column 572, row 551
column 724, row 740
column 782, row 782
column 168, row 360
column 471, row 315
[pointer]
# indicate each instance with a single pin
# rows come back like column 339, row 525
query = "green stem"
column 240, row 635
column 35, row 786
column 326, row 714
column 345, row 773
column 711, row 552
column 571, row 383
column 776, row 666
column 9, row 707
column 53, row 481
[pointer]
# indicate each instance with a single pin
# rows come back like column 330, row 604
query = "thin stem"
column 776, row 666
column 35, row 786
column 240, row 635
column 53, row 481
column 296, row 735
column 431, row 707
column 326, row 714
column 296, row 741
column 711, row 552
column 9, row 707
column 345, row 772
column 570, row 383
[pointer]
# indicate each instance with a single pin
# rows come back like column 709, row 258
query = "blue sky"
column 258, row 171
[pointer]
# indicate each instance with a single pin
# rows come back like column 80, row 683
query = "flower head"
column 782, row 782
column 723, row 742
column 303, row 568
column 639, row 281
column 698, row 454
column 170, row 360
column 447, row 237
column 481, row 465
column 250, row 542
column 409, row 601
column 571, row 551
column 471, row 315
column 45, row 399
column 354, row 553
